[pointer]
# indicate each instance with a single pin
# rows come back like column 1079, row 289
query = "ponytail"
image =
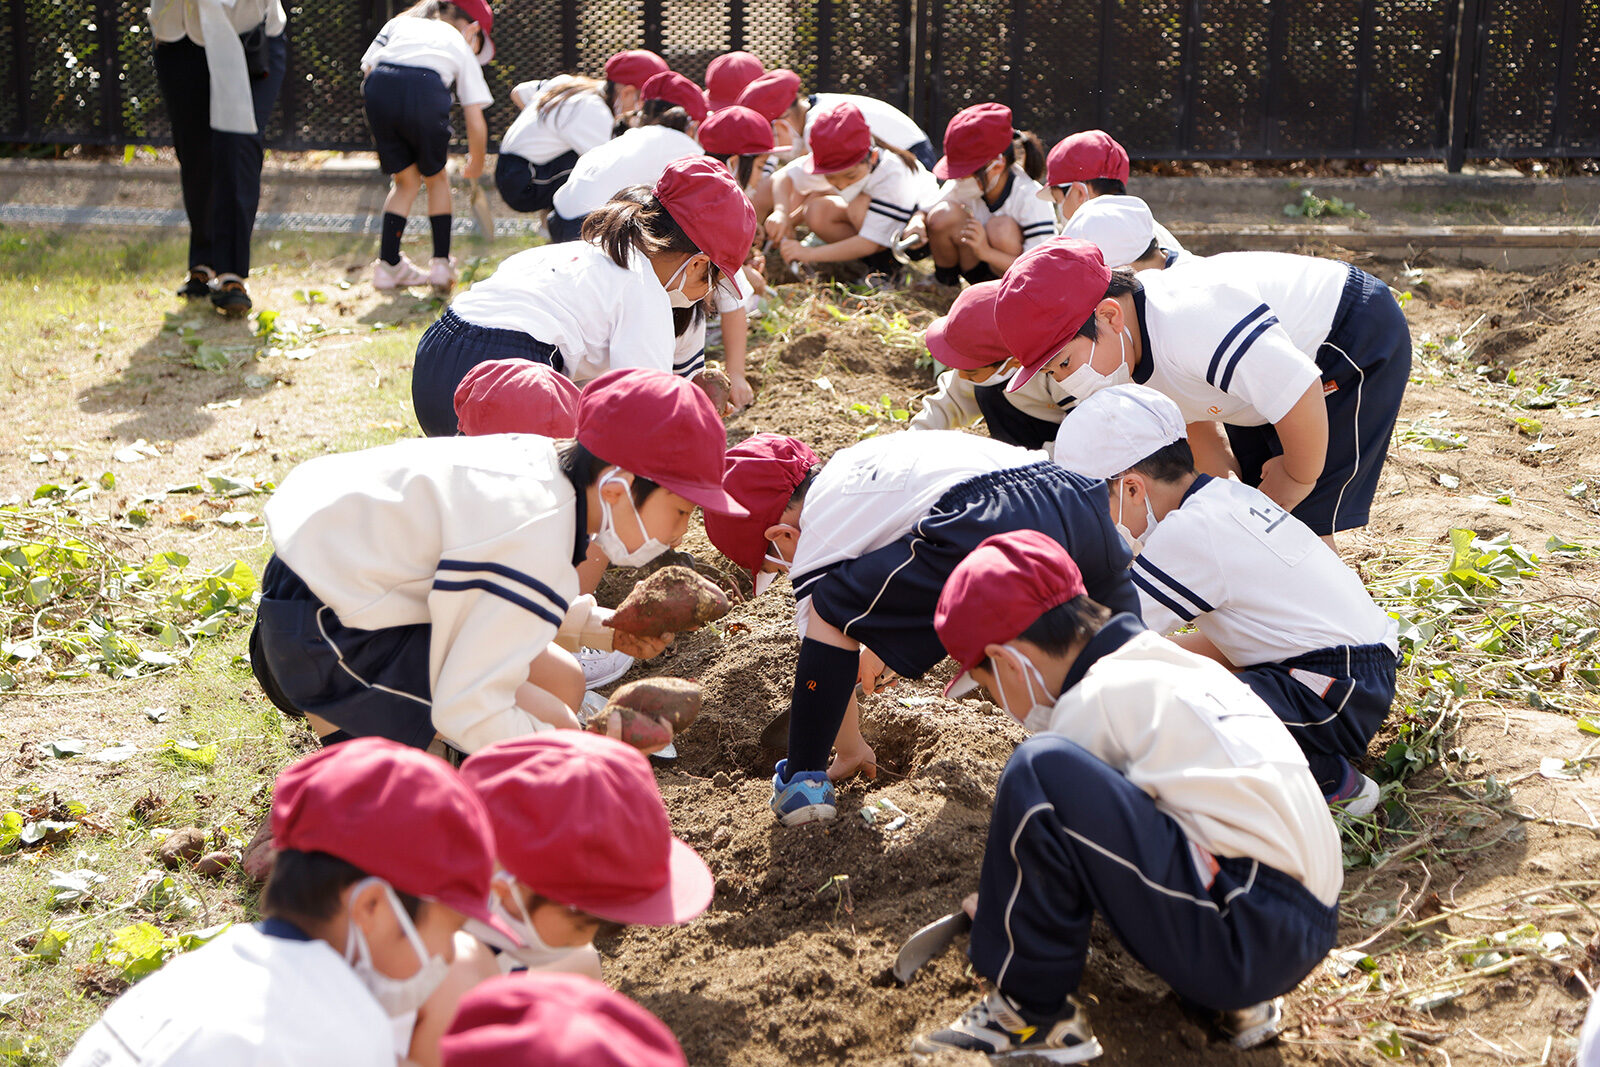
column 662, row 113
column 911, row 161
column 635, row 221
column 1027, row 150
column 548, row 104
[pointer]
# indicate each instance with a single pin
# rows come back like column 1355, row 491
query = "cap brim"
column 733, row 283
column 486, row 53
column 712, row 498
column 484, row 917
column 687, row 893
column 1026, row 374
column 961, row 685
column 1046, row 192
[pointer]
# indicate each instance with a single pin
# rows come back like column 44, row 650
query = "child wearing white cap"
column 1125, row 231
column 1267, row 597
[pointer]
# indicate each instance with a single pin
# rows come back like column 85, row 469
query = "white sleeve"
column 639, row 336
column 471, row 89
column 894, row 199
column 590, row 124
column 494, row 606
column 953, row 406
column 527, row 91
column 1037, row 219
column 1252, row 357
column 689, row 351
column 1178, row 575
column 369, row 59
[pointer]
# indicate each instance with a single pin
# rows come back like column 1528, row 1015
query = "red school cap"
column 736, row 131
column 634, row 67
column 763, row 472
column 1084, row 157
column 554, row 1020
column 661, row 427
column 838, row 137
column 480, row 12
column 728, row 75
column 966, row 338
column 517, row 396
column 1046, row 296
column 396, row 813
column 677, row 90
column 771, row 94
column 579, row 819
column 974, row 136
column 702, row 197
column 999, row 590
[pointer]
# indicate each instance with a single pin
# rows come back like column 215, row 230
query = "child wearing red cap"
column 1267, row 598
column 618, row 298
column 1088, row 166
column 417, row 588
column 1158, row 792
column 584, row 841
column 727, row 76
column 988, row 212
column 966, row 341
column 555, row 1020
column 1303, row 361
column 382, row 853
column 855, row 193
column 868, row 540
column 671, row 107
column 407, row 74
column 515, row 396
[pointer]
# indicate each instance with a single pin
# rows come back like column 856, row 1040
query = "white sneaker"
column 1251, row 1027
column 602, row 668
column 442, row 273
column 401, row 275
column 1359, row 796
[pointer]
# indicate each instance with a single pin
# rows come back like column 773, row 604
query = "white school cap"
column 1121, row 225
column 1115, row 428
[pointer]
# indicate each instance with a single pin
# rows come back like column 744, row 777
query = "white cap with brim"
column 1116, row 428
column 1121, row 225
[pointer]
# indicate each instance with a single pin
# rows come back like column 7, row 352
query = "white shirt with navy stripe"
column 577, row 124
column 1304, row 291
column 574, row 296
column 432, row 44
column 247, row 999
column 1211, row 755
column 1018, row 202
column 1255, row 581
column 637, row 157
column 1216, row 346
column 896, row 192
column 873, row 493
column 474, row 535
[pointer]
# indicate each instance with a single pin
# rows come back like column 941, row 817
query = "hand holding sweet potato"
column 647, row 714
column 671, row 600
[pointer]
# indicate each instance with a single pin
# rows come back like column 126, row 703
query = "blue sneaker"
column 807, row 797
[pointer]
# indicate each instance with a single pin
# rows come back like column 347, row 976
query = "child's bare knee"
column 1004, row 234
column 945, row 220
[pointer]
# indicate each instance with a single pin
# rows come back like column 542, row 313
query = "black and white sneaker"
column 994, row 1027
column 1254, row 1026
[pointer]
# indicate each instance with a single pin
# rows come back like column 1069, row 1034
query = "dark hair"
column 306, row 885
column 798, row 497
column 911, row 161
column 744, row 169
column 1063, row 626
column 550, row 102
column 533, row 901
column 634, row 219
column 1106, row 187
column 1169, row 463
column 663, row 113
column 1122, row 283
column 444, row 11
column 1028, row 150
column 1154, row 250
column 583, row 468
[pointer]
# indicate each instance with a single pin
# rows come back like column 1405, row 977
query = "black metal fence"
column 1171, row 79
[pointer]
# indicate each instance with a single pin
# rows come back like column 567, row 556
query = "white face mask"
column 677, row 296
column 610, row 541
column 765, row 578
column 1136, row 544
column 535, row 952
column 1086, row 381
column 1037, row 717
column 851, row 191
column 965, row 189
column 397, row 996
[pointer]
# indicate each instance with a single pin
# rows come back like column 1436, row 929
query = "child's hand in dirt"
column 640, row 647
column 872, row 669
column 474, row 169
column 847, row 764
column 742, row 396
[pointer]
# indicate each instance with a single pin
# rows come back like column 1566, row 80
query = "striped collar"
column 1195, row 486
column 282, row 928
column 1118, row 631
column 1005, row 192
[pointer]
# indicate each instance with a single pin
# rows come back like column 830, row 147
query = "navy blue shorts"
column 448, row 350
column 563, row 229
column 885, row 599
column 408, row 109
column 1333, row 701
column 369, row 683
column 1365, row 364
column 526, row 186
column 1007, row 423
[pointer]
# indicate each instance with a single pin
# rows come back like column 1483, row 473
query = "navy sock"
column 441, row 235
column 823, row 679
column 389, row 244
column 947, row 275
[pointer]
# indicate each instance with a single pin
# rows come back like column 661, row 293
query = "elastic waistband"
column 401, row 68
column 964, row 491
column 1340, row 659
column 1358, row 288
column 455, row 326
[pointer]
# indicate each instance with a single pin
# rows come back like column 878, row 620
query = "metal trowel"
column 929, row 942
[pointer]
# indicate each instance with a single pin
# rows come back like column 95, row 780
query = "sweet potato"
column 717, row 386
column 644, row 732
column 676, row 701
column 215, row 864
column 181, row 847
column 670, row 601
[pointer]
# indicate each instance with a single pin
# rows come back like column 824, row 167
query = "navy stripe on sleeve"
column 1222, row 349
column 507, row 572
column 485, row 585
column 689, row 364
column 804, row 582
column 1140, row 564
column 899, row 214
column 1038, row 228
column 1244, row 346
